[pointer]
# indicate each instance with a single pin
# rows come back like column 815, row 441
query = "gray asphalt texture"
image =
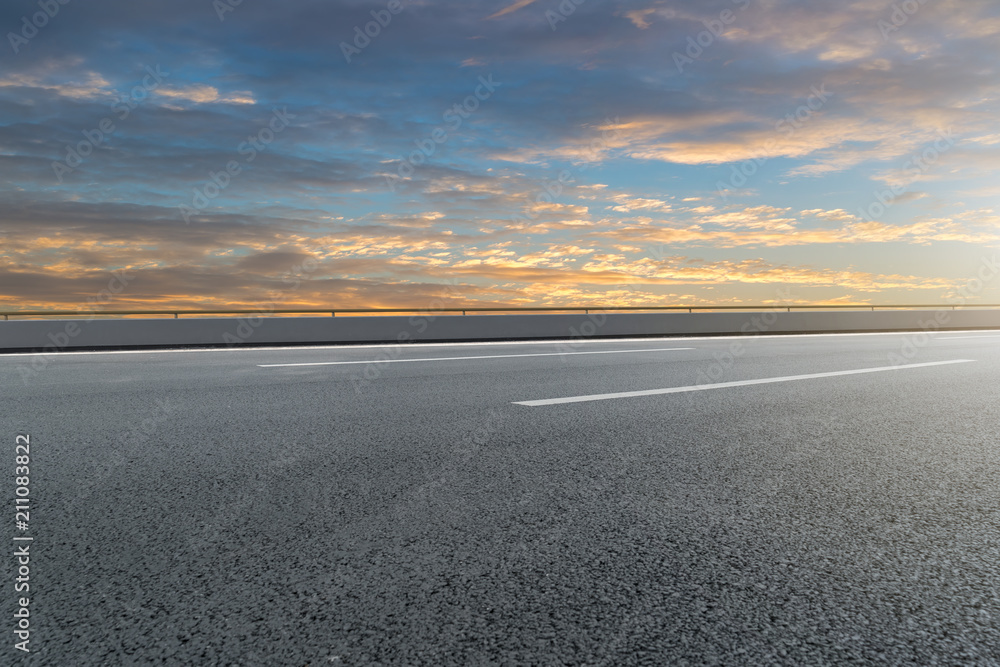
column 192, row 508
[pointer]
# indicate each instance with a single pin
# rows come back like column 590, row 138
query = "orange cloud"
column 511, row 8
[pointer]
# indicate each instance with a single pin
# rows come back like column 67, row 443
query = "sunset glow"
column 529, row 153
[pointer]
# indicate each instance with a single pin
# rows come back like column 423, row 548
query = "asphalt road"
column 224, row 507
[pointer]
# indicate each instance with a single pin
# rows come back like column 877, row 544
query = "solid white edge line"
column 491, row 356
column 558, row 341
column 722, row 385
column 962, row 337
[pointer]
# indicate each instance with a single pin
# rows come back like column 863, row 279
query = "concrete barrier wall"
column 55, row 335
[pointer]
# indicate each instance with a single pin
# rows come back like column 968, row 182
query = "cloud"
column 836, row 215
column 202, row 94
column 745, row 229
column 638, row 17
column 519, row 4
column 628, row 204
column 92, row 86
column 599, row 99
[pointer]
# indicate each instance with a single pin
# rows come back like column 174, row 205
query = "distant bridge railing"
column 7, row 314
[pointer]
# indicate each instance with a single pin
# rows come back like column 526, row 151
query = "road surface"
column 775, row 500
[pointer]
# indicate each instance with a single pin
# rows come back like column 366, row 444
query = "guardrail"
column 49, row 334
column 497, row 309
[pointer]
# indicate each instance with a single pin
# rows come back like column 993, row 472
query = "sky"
column 428, row 153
